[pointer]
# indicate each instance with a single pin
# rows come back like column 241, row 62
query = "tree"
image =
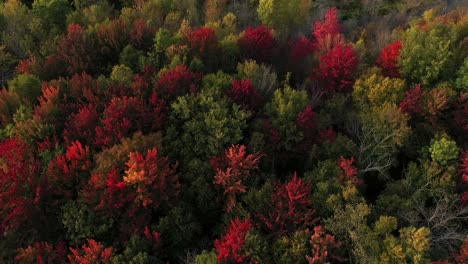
column 238, row 167
column 336, row 70
column 153, row 178
column 245, row 94
column 284, row 16
column 257, row 43
column 322, row 244
column 427, row 54
column 388, row 59
column 291, row 207
column 229, row 247
column 92, row 252
column 382, row 131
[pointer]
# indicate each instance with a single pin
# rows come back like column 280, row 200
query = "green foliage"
column 27, row 86
column 444, row 151
column 374, row 90
column 131, row 57
column 179, row 228
column 262, row 76
column 122, row 75
column 204, row 124
column 286, row 104
column 384, row 130
column 81, row 223
column 136, row 252
column 377, row 243
column 427, row 54
column 462, row 80
column 284, row 15
column 53, row 12
column 291, row 249
column 206, row 257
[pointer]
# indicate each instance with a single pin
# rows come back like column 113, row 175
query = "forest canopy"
column 216, row 131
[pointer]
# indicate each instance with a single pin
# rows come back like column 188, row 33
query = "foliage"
column 260, row 131
column 257, row 43
column 284, row 16
column 238, row 166
column 229, row 248
column 388, row 59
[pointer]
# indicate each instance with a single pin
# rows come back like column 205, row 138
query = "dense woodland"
column 224, row 131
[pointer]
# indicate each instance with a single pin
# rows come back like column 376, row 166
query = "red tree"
column 22, row 190
column 153, row 178
column 142, row 34
column 328, row 28
column 81, row 125
column 76, row 50
column 349, row 171
column 202, row 40
column 244, row 93
column 291, row 207
column 412, row 104
column 300, row 49
column 463, row 170
column 229, row 247
column 307, row 122
column 388, row 59
column 257, row 43
column 237, row 165
column 177, row 82
column 68, row 173
column 115, row 35
column 322, row 244
column 337, row 67
column 91, row 253
column 42, row 253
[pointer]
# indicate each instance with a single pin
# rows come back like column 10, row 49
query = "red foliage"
column 67, row 173
column 21, row 187
column 154, row 237
column 307, row 122
column 154, row 179
column 257, row 43
column 239, row 166
column 202, row 40
column 412, row 104
column 84, row 89
column 462, row 256
column 244, row 93
column 24, row 66
column 177, row 82
column 75, row 49
column 329, row 27
column 229, row 247
column 349, row 171
column 301, row 48
column 115, row 35
column 49, row 104
column 142, row 34
column 122, row 117
column 461, row 113
column 81, row 125
column 337, row 68
column 322, row 244
column 42, row 253
column 388, row 59
column 91, row 253
column 291, row 207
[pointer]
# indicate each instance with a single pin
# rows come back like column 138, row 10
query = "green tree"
column 284, row 15
column 53, row 13
column 427, row 54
